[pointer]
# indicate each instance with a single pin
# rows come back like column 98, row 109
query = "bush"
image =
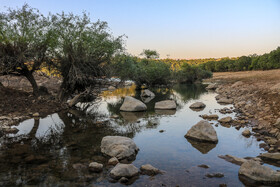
column 142, row 71
column 190, row 74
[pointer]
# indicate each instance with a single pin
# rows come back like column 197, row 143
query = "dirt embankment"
column 256, row 94
column 17, row 102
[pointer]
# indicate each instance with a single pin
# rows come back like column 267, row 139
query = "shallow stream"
column 54, row 151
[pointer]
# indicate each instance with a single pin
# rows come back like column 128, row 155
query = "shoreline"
column 257, row 100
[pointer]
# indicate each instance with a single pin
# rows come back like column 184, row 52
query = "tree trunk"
column 32, row 81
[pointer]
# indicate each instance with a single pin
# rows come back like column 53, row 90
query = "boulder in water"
column 202, row 131
column 124, row 170
column 147, row 93
column 123, row 148
column 165, row 105
column 131, row 104
column 253, row 172
column 198, row 105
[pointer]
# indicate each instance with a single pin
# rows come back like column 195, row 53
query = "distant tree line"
column 152, row 71
column 244, row 63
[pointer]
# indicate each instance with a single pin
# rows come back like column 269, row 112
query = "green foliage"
column 244, row 63
column 25, row 42
column 142, row 71
column 156, row 72
column 150, row 54
column 190, row 74
column 83, row 48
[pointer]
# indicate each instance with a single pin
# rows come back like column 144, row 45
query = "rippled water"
column 53, row 151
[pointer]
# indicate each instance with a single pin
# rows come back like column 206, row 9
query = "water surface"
column 53, row 151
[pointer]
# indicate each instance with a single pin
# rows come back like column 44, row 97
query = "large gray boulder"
column 121, row 147
column 124, row 170
column 261, row 175
column 147, row 93
column 198, row 105
column 165, row 105
column 131, row 104
column 202, row 131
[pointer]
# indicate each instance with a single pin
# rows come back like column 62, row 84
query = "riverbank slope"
column 256, row 94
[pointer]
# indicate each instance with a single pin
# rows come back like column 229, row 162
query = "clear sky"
column 181, row 28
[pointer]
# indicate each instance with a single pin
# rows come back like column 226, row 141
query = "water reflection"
column 202, row 147
column 56, row 150
column 132, row 117
column 165, row 112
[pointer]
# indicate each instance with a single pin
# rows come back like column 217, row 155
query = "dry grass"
column 270, row 76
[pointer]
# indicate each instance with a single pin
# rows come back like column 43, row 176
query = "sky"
column 180, row 29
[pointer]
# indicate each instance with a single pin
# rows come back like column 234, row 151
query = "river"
column 55, row 150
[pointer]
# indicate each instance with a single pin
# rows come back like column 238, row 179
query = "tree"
column 82, row 50
column 150, row 54
column 25, row 42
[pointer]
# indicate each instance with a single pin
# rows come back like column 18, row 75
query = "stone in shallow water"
column 225, row 101
column 246, row 133
column 216, row 175
column 233, row 159
column 150, row 170
column 270, row 156
column 165, row 105
column 203, row 166
column 120, row 147
column 202, row 131
column 198, row 105
column 124, row 170
column 147, row 93
column 210, row 117
column 252, row 173
column 225, row 120
column 113, row 161
column 95, row 167
column 131, row 104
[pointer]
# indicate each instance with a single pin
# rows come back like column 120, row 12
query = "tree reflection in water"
column 61, row 153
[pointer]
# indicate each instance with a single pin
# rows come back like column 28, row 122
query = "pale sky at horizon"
column 184, row 29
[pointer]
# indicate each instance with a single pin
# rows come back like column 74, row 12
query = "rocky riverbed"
column 257, row 101
column 70, row 147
